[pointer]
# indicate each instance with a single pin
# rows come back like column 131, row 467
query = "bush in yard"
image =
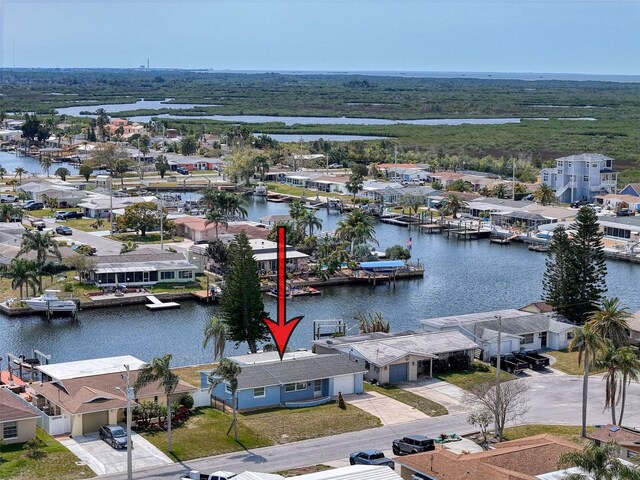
column 341, row 402
column 34, row 448
column 459, row 361
column 187, row 401
column 479, row 366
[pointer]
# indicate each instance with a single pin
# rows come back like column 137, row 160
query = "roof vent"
column 614, row 429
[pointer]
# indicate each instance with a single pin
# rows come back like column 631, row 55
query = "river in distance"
column 461, row 277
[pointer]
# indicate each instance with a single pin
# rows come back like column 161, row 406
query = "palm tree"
column 159, row 371
column 128, row 246
column 262, row 166
column 62, row 172
column 22, row 272
column 19, row 171
column 228, row 372
column 3, row 171
column 454, row 204
column 607, row 360
column 357, row 228
column 354, row 185
column 545, row 194
column 216, row 217
column 309, row 219
column 121, row 167
column 162, row 166
column 629, row 368
column 610, row 322
column 587, row 342
column 500, row 190
column 216, row 332
column 233, row 205
column 43, row 245
column 8, row 212
column 598, row 462
column 45, row 163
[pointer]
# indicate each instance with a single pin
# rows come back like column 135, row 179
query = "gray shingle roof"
column 543, row 322
column 298, row 370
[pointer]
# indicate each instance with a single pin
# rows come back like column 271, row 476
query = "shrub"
column 479, row 366
column 34, row 448
column 187, row 401
column 459, row 361
column 68, row 287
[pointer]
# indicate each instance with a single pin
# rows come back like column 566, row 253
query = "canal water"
column 461, row 277
column 10, row 161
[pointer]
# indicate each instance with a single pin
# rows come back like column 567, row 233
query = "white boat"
column 50, row 302
column 260, row 190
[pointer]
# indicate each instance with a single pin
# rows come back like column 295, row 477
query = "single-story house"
column 78, row 397
column 98, row 205
column 446, row 178
column 265, row 252
column 18, row 419
column 493, row 205
column 400, row 356
column 193, row 162
column 301, row 379
column 632, row 189
column 140, row 268
column 8, row 135
column 626, row 439
column 613, row 201
column 520, row 330
column 329, row 183
column 523, row 459
column 620, row 228
column 196, row 229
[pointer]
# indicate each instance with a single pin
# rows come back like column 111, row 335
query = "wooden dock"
column 157, row 304
column 430, row 227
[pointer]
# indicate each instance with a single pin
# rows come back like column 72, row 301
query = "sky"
column 560, row 36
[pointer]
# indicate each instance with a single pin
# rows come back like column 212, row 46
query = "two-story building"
column 581, row 177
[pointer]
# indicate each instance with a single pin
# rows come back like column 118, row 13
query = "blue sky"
column 589, row 36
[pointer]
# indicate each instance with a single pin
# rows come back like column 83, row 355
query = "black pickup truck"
column 413, row 444
column 534, row 360
column 509, row 363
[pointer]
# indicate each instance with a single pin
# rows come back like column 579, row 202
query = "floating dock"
column 157, row 304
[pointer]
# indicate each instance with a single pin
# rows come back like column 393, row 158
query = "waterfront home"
column 627, row 440
column 329, row 183
column 193, row 162
column 34, row 188
column 581, row 177
column 626, row 229
column 140, row 268
column 493, row 205
column 393, row 195
column 196, row 229
column 99, row 205
column 446, row 178
column 520, row 330
column 128, row 129
column 615, row 201
column 18, row 418
column 78, row 397
column 265, row 252
column 301, row 379
column 399, row 356
column 525, row 459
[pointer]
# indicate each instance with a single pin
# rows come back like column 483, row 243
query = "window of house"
column 258, row 392
column 184, row 274
column 294, row 387
column 594, row 165
column 569, row 164
column 559, row 171
column 569, row 335
column 367, row 365
column 586, row 178
column 227, row 389
column 526, row 338
column 167, row 275
column 10, row 430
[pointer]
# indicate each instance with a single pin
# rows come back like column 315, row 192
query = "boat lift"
column 21, row 363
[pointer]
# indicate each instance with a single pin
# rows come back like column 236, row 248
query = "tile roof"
column 300, row 369
column 520, row 459
column 13, row 408
column 98, row 392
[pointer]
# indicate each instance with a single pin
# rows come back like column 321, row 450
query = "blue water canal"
column 461, row 277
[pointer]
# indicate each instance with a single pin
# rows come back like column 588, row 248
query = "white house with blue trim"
column 301, row 379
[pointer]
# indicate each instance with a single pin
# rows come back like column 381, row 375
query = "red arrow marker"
column 282, row 329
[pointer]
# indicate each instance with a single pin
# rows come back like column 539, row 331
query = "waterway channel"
column 461, row 277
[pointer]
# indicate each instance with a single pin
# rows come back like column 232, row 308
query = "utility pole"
column 498, row 373
column 129, row 394
column 513, row 181
column 110, row 205
column 161, row 209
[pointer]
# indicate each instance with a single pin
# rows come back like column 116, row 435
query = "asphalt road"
column 103, row 245
column 553, row 399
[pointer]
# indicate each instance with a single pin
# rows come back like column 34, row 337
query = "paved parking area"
column 388, row 410
column 103, row 459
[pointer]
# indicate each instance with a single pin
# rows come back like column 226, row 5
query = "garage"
column 344, row 384
column 399, row 372
column 91, row 422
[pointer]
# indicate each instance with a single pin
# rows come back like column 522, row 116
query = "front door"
column 543, row 340
column 317, row 388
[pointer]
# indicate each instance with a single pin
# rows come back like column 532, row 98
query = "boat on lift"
column 49, row 301
column 260, row 190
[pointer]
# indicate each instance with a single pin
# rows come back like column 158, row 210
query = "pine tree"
column 241, row 302
column 557, row 286
column 588, row 266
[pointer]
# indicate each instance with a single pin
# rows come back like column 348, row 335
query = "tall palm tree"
column 216, row 332
column 8, row 212
column 545, row 194
column 500, row 190
column 160, row 371
column 44, row 245
column 228, row 372
column 354, row 185
column 234, row 205
column 262, row 166
column 3, row 171
column 607, row 360
column 629, row 368
column 23, row 272
column 454, row 204
column 587, row 342
column 45, row 163
column 611, row 321
column 20, row 171
column 62, row 172
column 309, row 219
column 598, row 462
column 216, row 217
column 357, row 228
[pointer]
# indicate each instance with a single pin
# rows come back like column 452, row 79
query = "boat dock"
column 157, row 304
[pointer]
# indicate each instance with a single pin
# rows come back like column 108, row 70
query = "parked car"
column 335, row 165
column 509, row 363
column 579, row 203
column 182, row 171
column 194, row 475
column 33, row 206
column 72, row 214
column 8, row 198
column 59, row 215
column 114, row 435
column 534, row 360
column 63, row 230
column 413, row 444
column 625, row 212
column 370, row 457
column 38, row 223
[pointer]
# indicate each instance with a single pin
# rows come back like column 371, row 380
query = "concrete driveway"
column 447, row 395
column 388, row 410
column 103, row 459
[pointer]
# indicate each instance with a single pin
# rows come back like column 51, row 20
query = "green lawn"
column 84, row 224
column 205, row 433
column 148, row 238
column 57, row 462
column 467, row 379
column 568, row 432
column 298, row 191
column 425, row 405
column 190, row 374
column 199, row 284
column 567, row 362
